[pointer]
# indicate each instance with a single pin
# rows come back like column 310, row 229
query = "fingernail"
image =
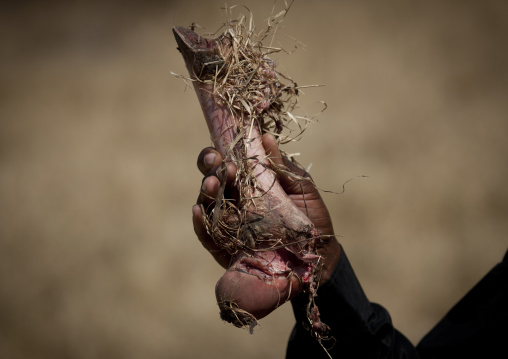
column 209, row 159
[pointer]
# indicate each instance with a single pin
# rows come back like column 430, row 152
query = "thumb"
column 282, row 164
column 272, row 149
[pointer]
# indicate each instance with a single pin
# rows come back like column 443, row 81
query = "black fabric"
column 476, row 326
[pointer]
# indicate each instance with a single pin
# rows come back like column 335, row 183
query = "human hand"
column 303, row 194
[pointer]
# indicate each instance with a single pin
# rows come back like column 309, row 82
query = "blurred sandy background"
column 98, row 144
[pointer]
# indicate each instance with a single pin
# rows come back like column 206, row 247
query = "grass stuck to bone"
column 272, row 242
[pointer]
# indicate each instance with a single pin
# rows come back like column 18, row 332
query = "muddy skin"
column 273, row 242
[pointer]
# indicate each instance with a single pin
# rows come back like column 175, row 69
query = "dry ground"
column 98, row 144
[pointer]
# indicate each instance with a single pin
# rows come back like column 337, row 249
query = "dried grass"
column 248, row 83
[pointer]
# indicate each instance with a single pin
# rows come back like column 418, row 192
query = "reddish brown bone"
column 260, row 279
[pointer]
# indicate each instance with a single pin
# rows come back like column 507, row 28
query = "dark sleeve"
column 477, row 326
column 361, row 329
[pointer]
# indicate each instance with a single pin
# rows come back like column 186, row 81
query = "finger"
column 210, row 186
column 209, row 190
column 217, row 171
column 220, row 256
column 231, row 173
column 200, row 230
column 272, row 149
column 208, row 158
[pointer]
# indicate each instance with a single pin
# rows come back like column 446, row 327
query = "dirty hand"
column 303, row 193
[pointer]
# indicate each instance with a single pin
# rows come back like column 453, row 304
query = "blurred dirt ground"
column 98, row 144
